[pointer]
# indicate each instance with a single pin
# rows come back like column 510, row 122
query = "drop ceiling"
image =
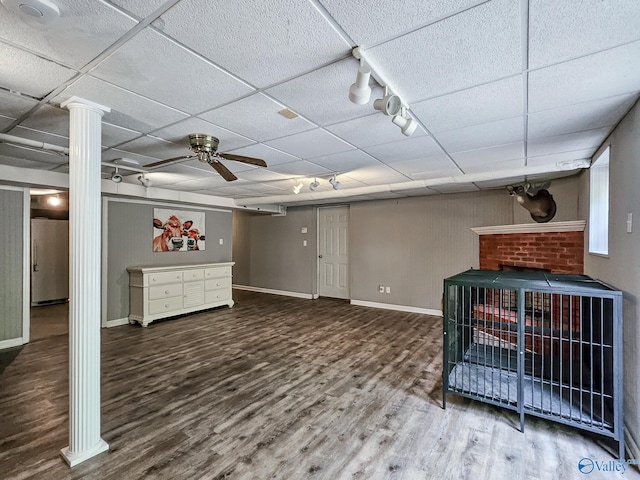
column 499, row 88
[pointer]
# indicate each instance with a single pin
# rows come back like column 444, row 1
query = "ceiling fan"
column 204, row 149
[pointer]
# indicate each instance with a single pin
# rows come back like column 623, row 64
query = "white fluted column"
column 85, row 123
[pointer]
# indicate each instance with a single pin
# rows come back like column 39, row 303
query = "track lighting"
column 360, row 92
column 297, row 188
column 144, row 181
column 334, row 183
column 116, row 177
column 407, row 125
column 390, row 104
column 313, row 186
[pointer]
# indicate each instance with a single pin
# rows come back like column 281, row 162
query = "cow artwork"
column 175, row 231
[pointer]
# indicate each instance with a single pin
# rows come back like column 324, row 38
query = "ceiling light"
column 144, row 181
column 54, row 201
column 41, row 11
column 334, row 183
column 313, row 186
column 297, row 188
column 407, row 125
column 116, row 177
column 360, row 92
column 389, row 104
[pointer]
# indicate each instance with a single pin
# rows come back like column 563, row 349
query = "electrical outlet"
column 221, row 241
column 304, row 243
column 388, row 289
column 629, row 222
column 381, row 288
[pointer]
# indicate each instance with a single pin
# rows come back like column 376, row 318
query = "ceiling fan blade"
column 222, row 170
column 168, row 160
column 241, row 158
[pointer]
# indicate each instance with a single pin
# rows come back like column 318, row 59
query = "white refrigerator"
column 49, row 261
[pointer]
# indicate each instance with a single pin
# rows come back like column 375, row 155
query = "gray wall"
column 410, row 244
column 11, row 262
column 621, row 268
column 130, row 234
column 269, row 252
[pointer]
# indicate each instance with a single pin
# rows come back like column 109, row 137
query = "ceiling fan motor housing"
column 203, row 143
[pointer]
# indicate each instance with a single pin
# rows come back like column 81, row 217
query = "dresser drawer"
column 216, row 283
column 164, row 278
column 165, row 291
column 165, row 305
column 219, row 272
column 193, row 275
column 214, row 296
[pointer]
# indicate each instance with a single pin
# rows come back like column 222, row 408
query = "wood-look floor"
column 274, row 388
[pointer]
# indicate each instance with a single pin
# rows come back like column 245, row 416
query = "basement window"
column 599, row 205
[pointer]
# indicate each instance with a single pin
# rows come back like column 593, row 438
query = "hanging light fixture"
column 144, row 181
column 390, row 104
column 360, row 92
column 54, row 201
column 116, row 177
column 313, row 186
column 407, row 125
column 334, row 183
column 297, row 188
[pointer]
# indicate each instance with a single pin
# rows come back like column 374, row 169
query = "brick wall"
column 560, row 252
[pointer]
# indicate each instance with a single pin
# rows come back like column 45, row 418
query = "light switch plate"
column 303, row 230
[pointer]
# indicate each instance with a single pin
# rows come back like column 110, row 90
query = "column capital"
column 81, row 102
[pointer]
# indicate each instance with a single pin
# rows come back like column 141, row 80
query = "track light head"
column 407, row 125
column 334, row 183
column 116, row 178
column 360, row 92
column 144, row 181
column 313, row 186
column 389, row 104
column 297, row 188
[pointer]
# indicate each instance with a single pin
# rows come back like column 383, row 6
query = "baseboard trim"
column 12, row 342
column 399, row 308
column 308, row 296
column 117, row 322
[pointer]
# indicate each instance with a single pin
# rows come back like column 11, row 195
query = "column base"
column 74, row 458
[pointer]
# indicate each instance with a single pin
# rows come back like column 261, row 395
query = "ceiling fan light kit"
column 391, row 104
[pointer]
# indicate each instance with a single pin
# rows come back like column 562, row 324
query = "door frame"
column 317, row 289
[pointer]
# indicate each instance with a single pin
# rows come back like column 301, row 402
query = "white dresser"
column 160, row 292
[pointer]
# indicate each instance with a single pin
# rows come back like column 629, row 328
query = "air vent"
column 286, row 113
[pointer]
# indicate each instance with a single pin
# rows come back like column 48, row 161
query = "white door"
column 49, row 260
column 333, row 252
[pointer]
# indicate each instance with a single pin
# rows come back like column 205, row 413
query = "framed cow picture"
column 178, row 230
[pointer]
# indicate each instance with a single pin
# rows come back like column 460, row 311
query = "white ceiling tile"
column 406, row 149
column 375, row 175
column 83, row 30
column 509, row 130
column 191, row 84
column 39, row 136
column 113, row 135
column 502, row 182
column 154, row 147
column 14, row 105
column 370, row 21
column 555, row 158
column 128, row 110
column 567, row 142
column 265, row 152
column 499, row 153
column 473, row 106
column 606, row 74
column 138, row 8
column 476, row 46
column 18, row 67
column 179, row 133
column 345, row 161
column 235, row 167
column 450, row 172
column 583, row 116
column 322, row 96
column 493, row 166
column 309, row 144
column 559, row 31
column 257, row 117
column 251, row 39
column 261, row 175
column 373, row 129
column 419, row 166
column 50, row 119
column 300, row 167
column 5, row 122
column 15, row 158
column 31, row 154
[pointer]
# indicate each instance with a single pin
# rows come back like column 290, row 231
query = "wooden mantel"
column 571, row 226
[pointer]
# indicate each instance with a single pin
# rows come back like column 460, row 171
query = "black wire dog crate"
column 541, row 344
